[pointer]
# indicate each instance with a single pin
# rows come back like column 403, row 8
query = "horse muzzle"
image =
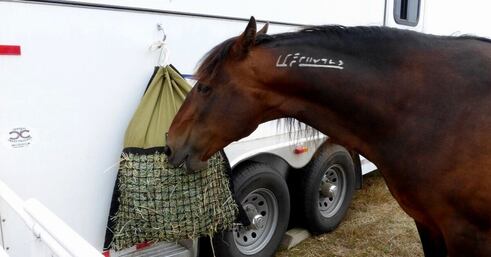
column 180, row 158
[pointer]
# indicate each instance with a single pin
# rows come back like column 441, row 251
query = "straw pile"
column 161, row 203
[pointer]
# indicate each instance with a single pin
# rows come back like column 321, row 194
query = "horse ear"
column 246, row 40
column 264, row 30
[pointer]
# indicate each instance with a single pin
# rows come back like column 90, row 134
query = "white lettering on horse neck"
column 301, row 60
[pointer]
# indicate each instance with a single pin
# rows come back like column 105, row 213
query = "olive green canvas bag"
column 157, row 202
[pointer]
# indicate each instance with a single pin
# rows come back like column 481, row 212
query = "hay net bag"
column 158, row 202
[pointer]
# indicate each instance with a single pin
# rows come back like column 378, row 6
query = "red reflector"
column 301, row 149
column 142, row 245
column 106, row 253
column 9, row 50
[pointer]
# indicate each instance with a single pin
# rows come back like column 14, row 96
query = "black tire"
column 325, row 207
column 251, row 181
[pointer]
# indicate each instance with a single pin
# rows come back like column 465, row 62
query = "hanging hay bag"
column 158, row 202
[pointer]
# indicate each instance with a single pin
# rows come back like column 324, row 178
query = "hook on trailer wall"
column 161, row 45
column 160, row 27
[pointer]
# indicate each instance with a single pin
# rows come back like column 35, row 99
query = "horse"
column 416, row 105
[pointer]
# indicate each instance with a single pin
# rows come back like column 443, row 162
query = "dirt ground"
column 374, row 226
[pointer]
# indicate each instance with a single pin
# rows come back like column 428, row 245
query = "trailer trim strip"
column 147, row 10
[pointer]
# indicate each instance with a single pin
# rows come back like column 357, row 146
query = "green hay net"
column 158, row 202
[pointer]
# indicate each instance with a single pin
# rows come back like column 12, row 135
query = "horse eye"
column 203, row 89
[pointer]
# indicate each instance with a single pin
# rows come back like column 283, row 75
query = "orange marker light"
column 299, row 149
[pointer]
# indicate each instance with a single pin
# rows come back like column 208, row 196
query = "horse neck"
column 354, row 104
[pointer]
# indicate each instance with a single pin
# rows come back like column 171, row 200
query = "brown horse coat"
column 418, row 106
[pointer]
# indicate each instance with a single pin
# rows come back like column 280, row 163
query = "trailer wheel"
column 327, row 188
column 264, row 196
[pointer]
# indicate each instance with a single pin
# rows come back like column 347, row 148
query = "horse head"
column 223, row 106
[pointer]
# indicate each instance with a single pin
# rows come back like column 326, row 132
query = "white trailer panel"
column 79, row 78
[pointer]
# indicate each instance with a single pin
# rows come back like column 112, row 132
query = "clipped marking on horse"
column 403, row 104
column 301, row 60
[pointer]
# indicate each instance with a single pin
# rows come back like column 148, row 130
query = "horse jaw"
column 194, row 164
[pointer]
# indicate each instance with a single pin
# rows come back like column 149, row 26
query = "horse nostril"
column 167, row 150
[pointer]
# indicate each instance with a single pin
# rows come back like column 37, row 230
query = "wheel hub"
column 331, row 190
column 257, row 220
column 328, row 189
column 261, row 208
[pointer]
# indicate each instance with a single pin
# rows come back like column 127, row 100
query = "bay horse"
column 417, row 105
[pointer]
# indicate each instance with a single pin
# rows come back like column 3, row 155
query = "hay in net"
column 161, row 203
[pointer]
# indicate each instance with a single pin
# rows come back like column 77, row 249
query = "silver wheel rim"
column 261, row 207
column 332, row 191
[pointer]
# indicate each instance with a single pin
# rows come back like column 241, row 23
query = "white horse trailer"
column 71, row 76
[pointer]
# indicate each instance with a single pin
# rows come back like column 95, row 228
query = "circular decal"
column 19, row 137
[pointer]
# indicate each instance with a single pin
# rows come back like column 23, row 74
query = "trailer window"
column 406, row 12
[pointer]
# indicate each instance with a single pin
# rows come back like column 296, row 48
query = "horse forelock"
column 212, row 63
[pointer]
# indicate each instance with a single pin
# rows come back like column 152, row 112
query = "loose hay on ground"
column 375, row 226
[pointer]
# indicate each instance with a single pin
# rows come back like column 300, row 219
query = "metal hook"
column 160, row 27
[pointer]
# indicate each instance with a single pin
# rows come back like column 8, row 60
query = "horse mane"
column 211, row 64
column 296, row 129
column 332, row 32
column 339, row 32
column 473, row 37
